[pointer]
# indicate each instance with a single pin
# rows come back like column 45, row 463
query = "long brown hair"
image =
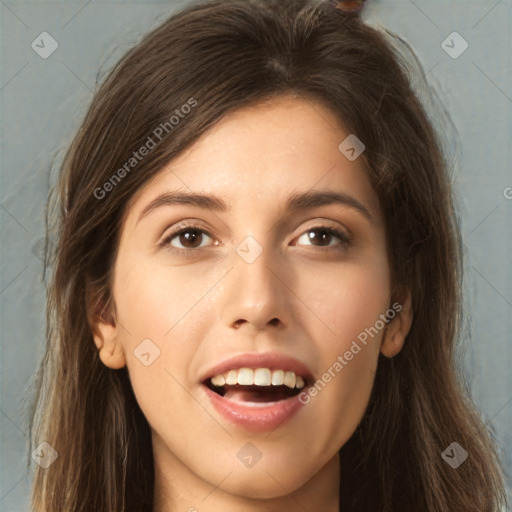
column 224, row 55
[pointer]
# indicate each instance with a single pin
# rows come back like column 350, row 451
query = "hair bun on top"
column 352, row 6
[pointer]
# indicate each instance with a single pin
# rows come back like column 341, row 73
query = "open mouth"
column 258, row 392
column 260, row 385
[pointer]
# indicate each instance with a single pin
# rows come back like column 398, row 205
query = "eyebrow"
column 295, row 202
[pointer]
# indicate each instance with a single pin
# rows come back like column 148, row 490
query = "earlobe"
column 112, row 355
column 398, row 327
column 105, row 333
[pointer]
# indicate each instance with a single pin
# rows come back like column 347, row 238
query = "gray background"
column 43, row 101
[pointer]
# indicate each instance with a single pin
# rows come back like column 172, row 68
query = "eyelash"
column 345, row 240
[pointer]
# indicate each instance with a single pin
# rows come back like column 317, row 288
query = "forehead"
column 258, row 155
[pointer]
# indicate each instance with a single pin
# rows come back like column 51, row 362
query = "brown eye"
column 324, row 236
column 191, row 238
column 187, row 238
column 320, row 237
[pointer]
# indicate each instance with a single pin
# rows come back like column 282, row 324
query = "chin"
column 268, row 479
column 258, row 484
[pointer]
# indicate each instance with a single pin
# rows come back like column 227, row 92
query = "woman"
column 256, row 291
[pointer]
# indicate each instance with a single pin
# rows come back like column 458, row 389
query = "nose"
column 256, row 294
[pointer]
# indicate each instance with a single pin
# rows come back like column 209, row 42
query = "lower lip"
column 255, row 418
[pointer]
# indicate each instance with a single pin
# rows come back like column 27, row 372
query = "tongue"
column 257, row 393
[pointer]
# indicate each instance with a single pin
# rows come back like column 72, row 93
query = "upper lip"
column 271, row 360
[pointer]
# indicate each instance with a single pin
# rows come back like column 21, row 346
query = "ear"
column 398, row 327
column 105, row 330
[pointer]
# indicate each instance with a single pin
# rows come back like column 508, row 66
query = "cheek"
column 156, row 310
column 346, row 299
column 154, row 299
column 349, row 302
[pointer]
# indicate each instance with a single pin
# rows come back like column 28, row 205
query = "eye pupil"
column 325, row 235
column 192, row 235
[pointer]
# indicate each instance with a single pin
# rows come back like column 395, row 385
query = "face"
column 231, row 310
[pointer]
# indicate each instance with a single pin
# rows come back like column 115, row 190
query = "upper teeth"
column 259, row 377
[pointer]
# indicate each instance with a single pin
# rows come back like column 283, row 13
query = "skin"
column 201, row 307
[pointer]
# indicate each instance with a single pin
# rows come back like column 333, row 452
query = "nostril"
column 238, row 323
